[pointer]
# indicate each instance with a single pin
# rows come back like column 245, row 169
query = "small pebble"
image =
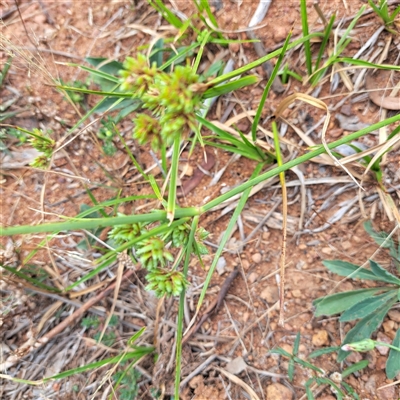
column 277, row 391
column 347, row 245
column 394, row 315
column 297, row 293
column 381, row 337
column 252, row 277
column 234, row 47
column 221, row 266
column 320, row 338
column 270, row 294
column 256, row 258
column 280, row 32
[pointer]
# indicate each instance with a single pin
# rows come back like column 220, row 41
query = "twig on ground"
column 214, row 305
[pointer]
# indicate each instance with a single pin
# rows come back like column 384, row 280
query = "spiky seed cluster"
column 152, row 253
column 126, row 232
column 41, row 162
column 164, row 282
column 43, row 144
column 147, row 129
column 137, row 75
column 173, row 98
column 180, row 235
column 201, row 235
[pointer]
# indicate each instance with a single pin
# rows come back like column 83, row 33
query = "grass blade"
column 179, row 329
column 267, row 88
column 304, row 25
column 226, row 236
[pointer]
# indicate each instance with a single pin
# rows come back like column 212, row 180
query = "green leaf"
column 157, row 53
column 367, row 306
column 309, row 392
column 325, row 350
column 111, row 104
column 33, row 281
column 138, row 353
column 338, row 302
column 364, row 328
column 344, row 268
column 230, row 86
column 381, row 238
column 393, row 361
column 350, row 391
column 354, row 368
column 383, row 274
column 291, row 361
column 111, row 67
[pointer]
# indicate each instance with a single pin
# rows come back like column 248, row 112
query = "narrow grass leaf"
column 367, row 306
column 182, row 299
column 127, row 95
column 354, row 368
column 173, row 179
column 350, row 391
column 135, row 337
column 199, row 56
column 166, row 13
column 264, row 96
column 304, row 25
column 309, row 392
column 182, row 53
column 230, row 86
column 5, row 69
column 138, row 353
column 210, row 15
column 338, row 302
column 295, row 352
column 92, row 273
column 335, row 388
column 346, row 33
column 262, row 60
column 227, row 235
column 393, row 361
column 110, row 67
column 27, row 278
column 325, row 39
column 364, row 328
column 281, row 351
column 325, row 350
column 383, row 274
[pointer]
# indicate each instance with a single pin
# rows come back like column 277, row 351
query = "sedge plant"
column 164, row 96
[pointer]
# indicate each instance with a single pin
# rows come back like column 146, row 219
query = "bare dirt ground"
column 247, row 323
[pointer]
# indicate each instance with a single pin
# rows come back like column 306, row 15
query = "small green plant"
column 94, row 322
column 128, row 383
column 336, row 380
column 107, row 133
column 369, row 306
column 75, row 96
column 381, row 8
